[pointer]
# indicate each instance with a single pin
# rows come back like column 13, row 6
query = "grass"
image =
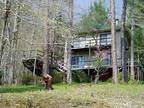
column 19, row 88
column 103, row 95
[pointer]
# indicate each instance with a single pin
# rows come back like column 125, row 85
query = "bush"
column 1, row 74
column 57, row 76
column 80, row 77
column 120, row 77
column 26, row 78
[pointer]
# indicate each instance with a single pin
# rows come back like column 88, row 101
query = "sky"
column 82, row 6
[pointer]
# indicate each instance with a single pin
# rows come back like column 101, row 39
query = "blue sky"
column 82, row 6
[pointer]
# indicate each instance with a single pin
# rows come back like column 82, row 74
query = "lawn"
column 103, row 95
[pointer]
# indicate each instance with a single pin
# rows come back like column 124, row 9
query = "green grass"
column 18, row 89
column 102, row 95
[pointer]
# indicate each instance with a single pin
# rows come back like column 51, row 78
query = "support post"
column 34, row 75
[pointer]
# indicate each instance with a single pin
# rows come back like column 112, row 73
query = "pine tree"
column 113, row 32
column 123, row 41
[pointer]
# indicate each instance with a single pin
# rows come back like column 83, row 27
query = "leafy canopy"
column 96, row 18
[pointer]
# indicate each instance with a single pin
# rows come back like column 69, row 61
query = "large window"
column 75, row 60
column 105, row 39
column 109, row 39
column 79, row 61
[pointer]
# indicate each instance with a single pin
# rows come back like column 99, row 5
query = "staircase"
column 37, row 64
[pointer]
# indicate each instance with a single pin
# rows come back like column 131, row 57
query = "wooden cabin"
column 84, row 47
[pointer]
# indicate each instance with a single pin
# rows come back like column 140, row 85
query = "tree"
column 135, row 19
column 5, row 48
column 123, row 41
column 26, row 25
column 113, row 32
column 139, row 55
column 98, row 64
column 97, row 14
column 132, row 43
column 45, row 13
column 15, row 41
column 68, row 41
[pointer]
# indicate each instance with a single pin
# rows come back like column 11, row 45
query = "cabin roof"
column 96, row 31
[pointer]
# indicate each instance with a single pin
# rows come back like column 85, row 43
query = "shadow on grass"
column 19, row 89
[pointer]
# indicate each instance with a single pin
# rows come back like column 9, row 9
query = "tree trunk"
column 5, row 50
column 132, row 42
column 45, row 34
column 123, row 45
column 113, row 32
column 69, row 75
column 46, row 69
column 6, row 16
column 14, row 42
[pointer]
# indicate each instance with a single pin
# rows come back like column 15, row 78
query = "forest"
column 71, row 53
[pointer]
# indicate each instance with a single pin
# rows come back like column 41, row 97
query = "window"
column 79, row 61
column 106, row 61
column 109, row 39
column 75, row 60
column 105, row 39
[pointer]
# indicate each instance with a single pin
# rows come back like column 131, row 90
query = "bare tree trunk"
column 14, row 42
column 124, row 60
column 6, row 16
column 6, row 35
column 47, row 78
column 132, row 42
column 69, row 75
column 113, row 32
column 45, row 33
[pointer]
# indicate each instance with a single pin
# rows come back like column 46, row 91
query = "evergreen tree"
column 96, row 18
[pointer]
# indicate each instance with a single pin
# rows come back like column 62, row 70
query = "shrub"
column 26, row 78
column 1, row 74
column 80, row 77
column 120, row 77
column 57, row 76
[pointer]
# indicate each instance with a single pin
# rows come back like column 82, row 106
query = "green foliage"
column 99, row 63
column 19, row 88
column 139, row 44
column 120, row 77
column 97, row 18
column 138, row 10
column 139, row 32
column 1, row 74
column 26, row 78
column 80, row 76
column 132, row 82
column 57, row 76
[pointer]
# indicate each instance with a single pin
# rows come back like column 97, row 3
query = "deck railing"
column 90, row 43
column 88, row 64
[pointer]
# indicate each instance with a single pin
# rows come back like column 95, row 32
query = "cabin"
column 85, row 46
